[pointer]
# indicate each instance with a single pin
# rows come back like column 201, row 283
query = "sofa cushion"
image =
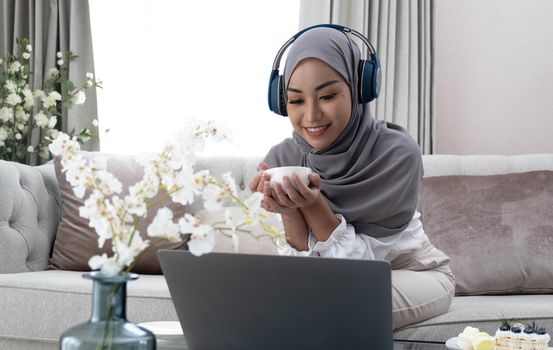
column 29, row 214
column 34, row 299
column 484, row 313
column 497, row 230
column 43, row 304
column 76, row 242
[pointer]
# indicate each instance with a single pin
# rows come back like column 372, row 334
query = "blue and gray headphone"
column 369, row 72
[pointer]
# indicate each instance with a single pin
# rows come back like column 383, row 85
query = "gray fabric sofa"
column 36, row 306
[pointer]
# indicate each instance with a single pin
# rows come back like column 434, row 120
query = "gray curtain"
column 52, row 26
column 402, row 32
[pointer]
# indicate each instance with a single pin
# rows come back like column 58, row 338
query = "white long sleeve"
column 344, row 242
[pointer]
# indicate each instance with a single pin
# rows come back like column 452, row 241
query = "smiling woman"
column 174, row 61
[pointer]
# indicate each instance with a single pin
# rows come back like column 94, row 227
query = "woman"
column 363, row 192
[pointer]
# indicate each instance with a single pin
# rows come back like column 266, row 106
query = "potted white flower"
column 116, row 217
column 29, row 118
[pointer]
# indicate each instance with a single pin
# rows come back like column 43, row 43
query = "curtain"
column 52, row 26
column 403, row 35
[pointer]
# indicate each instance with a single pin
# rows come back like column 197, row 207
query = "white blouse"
column 345, row 243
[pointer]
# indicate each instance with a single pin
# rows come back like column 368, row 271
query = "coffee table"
column 415, row 345
column 169, row 336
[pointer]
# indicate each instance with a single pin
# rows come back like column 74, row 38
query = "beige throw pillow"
column 497, row 230
column 76, row 242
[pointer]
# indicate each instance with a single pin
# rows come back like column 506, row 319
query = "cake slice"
column 517, row 336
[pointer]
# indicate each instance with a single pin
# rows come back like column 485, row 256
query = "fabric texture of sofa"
column 37, row 305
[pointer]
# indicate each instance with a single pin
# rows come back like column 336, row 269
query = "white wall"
column 494, row 76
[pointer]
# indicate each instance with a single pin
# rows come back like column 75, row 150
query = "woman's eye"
column 295, row 102
column 328, row 97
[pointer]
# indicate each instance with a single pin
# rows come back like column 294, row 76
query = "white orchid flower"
column 111, row 267
column 202, row 242
column 115, row 218
column 97, row 261
column 163, row 225
column 213, row 197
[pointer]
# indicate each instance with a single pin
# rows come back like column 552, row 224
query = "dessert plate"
column 451, row 344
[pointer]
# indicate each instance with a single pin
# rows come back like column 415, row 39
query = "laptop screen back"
column 245, row 301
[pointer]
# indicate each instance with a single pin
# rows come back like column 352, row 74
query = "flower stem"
column 107, row 329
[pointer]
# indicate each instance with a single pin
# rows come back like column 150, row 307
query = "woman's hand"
column 299, row 196
column 261, row 183
column 256, row 184
column 270, row 203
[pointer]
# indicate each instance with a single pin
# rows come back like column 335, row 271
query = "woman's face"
column 318, row 102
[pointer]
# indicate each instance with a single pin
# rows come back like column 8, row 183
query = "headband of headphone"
column 368, row 72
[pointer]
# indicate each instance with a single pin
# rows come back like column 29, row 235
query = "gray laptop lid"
column 244, row 301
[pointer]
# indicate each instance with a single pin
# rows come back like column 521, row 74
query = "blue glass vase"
column 108, row 327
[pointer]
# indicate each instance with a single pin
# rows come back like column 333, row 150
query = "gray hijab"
column 371, row 173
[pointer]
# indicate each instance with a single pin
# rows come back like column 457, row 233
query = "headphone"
column 369, row 72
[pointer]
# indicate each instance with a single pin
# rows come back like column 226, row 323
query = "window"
column 163, row 62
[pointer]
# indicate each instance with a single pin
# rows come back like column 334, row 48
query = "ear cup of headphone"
column 369, row 79
column 277, row 103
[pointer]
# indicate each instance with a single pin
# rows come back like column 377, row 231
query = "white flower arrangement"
column 23, row 111
column 171, row 173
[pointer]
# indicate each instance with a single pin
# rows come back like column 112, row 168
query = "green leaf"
column 69, row 86
column 68, row 103
column 53, row 110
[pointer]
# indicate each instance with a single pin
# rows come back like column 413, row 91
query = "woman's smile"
column 316, row 131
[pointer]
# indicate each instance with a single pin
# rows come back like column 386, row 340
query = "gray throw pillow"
column 76, row 242
column 497, row 230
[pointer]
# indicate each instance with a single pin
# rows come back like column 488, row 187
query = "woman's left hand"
column 299, row 196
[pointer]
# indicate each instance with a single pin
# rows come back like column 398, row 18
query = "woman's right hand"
column 256, row 184
column 261, row 183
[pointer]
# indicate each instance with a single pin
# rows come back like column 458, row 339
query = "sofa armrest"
column 29, row 216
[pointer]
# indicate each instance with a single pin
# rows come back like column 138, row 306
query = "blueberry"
column 504, row 327
column 516, row 330
column 540, row 330
column 529, row 330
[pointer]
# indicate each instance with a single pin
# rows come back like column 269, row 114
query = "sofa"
column 37, row 305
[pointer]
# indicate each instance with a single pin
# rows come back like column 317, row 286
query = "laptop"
column 235, row 301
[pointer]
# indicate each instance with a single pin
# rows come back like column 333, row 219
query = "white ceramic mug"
column 277, row 174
